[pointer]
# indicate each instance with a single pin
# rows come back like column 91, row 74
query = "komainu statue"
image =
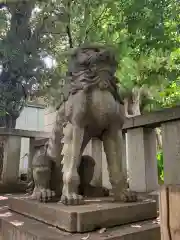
column 92, row 109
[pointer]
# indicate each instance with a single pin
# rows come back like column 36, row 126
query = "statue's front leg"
column 112, row 140
column 42, row 176
column 42, row 191
column 71, row 161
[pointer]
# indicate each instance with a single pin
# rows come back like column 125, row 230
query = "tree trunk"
column 132, row 108
column 159, row 138
column 132, row 103
column 8, row 121
column 13, row 66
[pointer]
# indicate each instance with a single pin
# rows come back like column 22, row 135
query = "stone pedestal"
column 102, row 213
column 16, row 226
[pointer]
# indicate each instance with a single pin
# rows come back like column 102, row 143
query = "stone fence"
column 140, row 151
column 12, row 148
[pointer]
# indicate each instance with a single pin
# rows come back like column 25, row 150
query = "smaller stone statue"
column 85, row 171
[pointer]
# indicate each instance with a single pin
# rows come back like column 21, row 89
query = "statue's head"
column 93, row 66
column 88, row 56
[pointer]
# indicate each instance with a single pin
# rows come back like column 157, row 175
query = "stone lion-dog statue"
column 93, row 109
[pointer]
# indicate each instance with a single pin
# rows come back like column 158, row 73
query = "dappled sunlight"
column 148, row 200
column 102, row 230
column 3, row 198
column 6, row 214
column 157, row 220
column 86, row 237
column 136, row 226
column 17, row 223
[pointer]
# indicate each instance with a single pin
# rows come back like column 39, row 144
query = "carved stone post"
column 142, row 163
column 124, row 155
column 11, row 160
column 171, row 152
column 31, row 155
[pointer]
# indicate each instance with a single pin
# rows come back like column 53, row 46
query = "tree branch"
column 98, row 18
column 68, row 28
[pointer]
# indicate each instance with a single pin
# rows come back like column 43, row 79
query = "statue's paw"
column 33, row 196
column 72, row 199
column 43, row 195
column 126, row 196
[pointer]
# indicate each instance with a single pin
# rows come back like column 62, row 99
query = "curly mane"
column 89, row 66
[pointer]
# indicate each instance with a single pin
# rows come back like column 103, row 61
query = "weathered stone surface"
column 93, row 109
column 171, row 151
column 50, row 213
column 153, row 119
column 151, row 195
column 23, row 133
column 113, row 214
column 142, row 162
column 17, row 187
column 88, row 217
column 11, row 160
column 16, row 227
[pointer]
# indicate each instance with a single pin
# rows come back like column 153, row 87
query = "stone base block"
column 15, row 227
column 102, row 213
column 151, row 195
column 19, row 187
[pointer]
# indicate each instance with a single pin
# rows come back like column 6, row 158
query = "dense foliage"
column 25, row 39
column 146, row 37
column 145, row 34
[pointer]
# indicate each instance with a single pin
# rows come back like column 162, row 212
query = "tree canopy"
column 27, row 30
column 146, row 37
column 144, row 33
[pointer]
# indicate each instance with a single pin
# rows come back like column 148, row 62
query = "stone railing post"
column 11, row 160
column 124, row 155
column 30, row 158
column 142, row 163
column 171, row 152
column 170, row 192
